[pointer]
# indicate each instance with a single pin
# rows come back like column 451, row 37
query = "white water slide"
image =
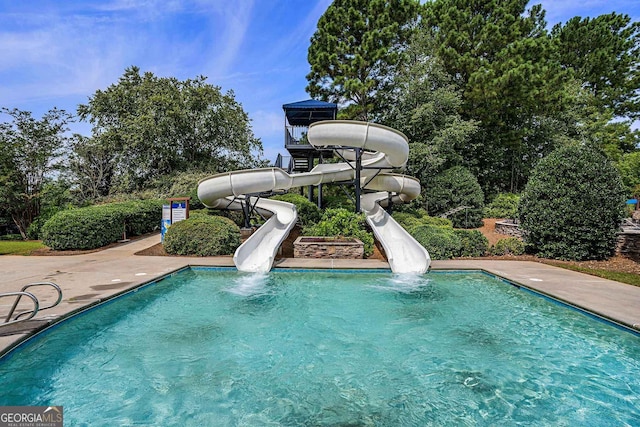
column 384, row 148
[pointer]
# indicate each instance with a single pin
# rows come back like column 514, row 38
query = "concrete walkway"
column 91, row 278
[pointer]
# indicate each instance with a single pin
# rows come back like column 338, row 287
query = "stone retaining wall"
column 628, row 241
column 327, row 247
column 508, row 228
column 629, row 245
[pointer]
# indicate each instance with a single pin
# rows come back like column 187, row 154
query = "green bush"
column 308, row 212
column 96, row 226
column 572, row 205
column 472, row 243
column 202, row 235
column 508, row 246
column 440, row 242
column 85, row 228
column 505, row 205
column 406, row 220
column 11, row 237
column 344, row 223
column 453, row 188
column 335, row 197
column 33, row 231
column 438, row 236
column 437, row 221
column 420, row 217
column 202, row 213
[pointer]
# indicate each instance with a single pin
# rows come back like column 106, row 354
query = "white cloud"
column 59, row 57
column 267, row 123
column 229, row 25
column 301, row 34
column 75, row 49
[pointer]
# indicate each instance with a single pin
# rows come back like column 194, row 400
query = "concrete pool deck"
column 90, row 278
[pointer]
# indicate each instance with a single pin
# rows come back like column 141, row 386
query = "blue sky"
column 58, row 53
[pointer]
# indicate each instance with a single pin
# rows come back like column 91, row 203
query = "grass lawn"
column 618, row 276
column 11, row 247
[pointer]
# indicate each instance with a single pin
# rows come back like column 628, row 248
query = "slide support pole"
column 357, row 180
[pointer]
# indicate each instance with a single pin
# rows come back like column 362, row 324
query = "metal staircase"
column 301, row 164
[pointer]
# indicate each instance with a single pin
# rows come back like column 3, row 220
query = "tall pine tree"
column 355, row 46
column 501, row 56
column 604, row 54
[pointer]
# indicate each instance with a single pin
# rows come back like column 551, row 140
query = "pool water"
column 330, row 349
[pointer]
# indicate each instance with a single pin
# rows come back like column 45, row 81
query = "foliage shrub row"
column 343, row 223
column 439, row 237
column 96, row 226
column 202, row 235
column 11, row 237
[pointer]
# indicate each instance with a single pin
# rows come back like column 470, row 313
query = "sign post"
column 177, row 210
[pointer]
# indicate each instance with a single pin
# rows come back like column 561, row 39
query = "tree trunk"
column 22, row 228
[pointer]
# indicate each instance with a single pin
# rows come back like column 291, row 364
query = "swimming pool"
column 216, row 347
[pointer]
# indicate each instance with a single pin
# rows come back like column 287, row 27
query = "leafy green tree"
column 54, row 197
column 454, row 188
column 92, row 166
column 423, row 102
column 354, row 47
column 603, row 53
column 500, row 55
column 31, row 152
column 152, row 126
column 572, row 205
column 582, row 119
column 629, row 167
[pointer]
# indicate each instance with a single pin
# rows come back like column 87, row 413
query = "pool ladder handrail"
column 34, row 299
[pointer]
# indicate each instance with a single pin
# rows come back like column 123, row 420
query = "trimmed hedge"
column 572, row 205
column 439, row 237
column 202, row 235
column 472, row 243
column 308, row 212
column 11, row 237
column 96, row 226
column 508, row 246
column 341, row 222
column 441, row 242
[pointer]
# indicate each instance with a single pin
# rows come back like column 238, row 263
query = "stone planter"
column 327, row 247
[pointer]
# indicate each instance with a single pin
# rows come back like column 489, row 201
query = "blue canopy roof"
column 303, row 113
column 310, row 104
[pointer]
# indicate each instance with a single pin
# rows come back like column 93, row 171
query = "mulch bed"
column 616, row 263
column 50, row 252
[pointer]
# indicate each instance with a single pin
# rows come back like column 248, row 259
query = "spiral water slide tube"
column 384, row 148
